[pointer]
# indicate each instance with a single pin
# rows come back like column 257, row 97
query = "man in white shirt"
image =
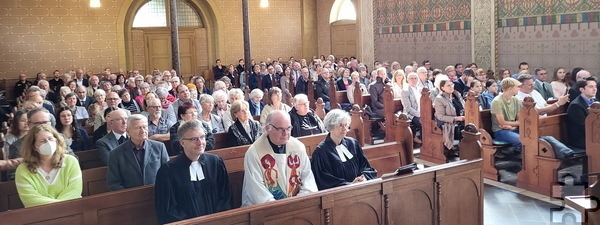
column 526, row 90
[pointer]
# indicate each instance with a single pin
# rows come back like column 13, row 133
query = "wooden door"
column 343, row 39
column 158, row 51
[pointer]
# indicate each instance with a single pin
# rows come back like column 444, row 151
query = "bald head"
column 582, row 75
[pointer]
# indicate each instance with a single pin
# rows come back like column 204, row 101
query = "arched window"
column 154, row 14
column 342, row 10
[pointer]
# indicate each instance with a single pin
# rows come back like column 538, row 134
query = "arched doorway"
column 342, row 20
column 146, row 36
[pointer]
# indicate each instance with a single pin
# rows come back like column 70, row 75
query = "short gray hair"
column 334, row 118
column 236, row 91
column 207, row 98
column 190, row 125
column 299, row 97
column 161, row 91
column 135, row 117
column 219, row 95
column 256, row 93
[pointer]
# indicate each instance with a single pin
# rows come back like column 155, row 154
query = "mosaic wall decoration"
column 393, row 16
column 513, row 13
column 442, row 48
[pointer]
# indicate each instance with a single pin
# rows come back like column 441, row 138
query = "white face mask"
column 48, row 148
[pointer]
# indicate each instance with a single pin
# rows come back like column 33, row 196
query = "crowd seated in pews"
column 161, row 97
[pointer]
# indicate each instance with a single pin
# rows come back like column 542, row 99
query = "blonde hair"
column 399, row 73
column 32, row 157
column 508, row 83
column 237, row 106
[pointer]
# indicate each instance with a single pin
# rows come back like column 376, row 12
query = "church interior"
column 41, row 36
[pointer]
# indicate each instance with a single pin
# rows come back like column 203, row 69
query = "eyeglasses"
column 282, row 130
column 192, row 112
column 122, row 119
column 344, row 125
column 39, row 123
column 195, row 139
column 112, row 99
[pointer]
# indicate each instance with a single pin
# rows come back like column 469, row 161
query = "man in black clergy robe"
column 194, row 183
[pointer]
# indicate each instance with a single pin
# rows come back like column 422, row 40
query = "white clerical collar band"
column 343, row 153
column 196, row 173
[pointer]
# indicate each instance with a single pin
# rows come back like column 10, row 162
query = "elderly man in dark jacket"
column 376, row 92
column 304, row 120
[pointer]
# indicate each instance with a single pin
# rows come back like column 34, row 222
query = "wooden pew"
column 220, row 140
column 94, row 182
column 385, row 158
column 428, row 195
column 337, row 97
column 310, row 92
column 540, row 165
column 432, row 193
column 432, row 149
column 88, row 159
column 482, row 119
column 391, row 106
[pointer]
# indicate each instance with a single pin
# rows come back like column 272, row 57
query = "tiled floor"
column 504, row 207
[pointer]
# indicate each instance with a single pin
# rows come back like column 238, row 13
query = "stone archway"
column 211, row 19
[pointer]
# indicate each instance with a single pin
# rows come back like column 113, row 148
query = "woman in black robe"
column 339, row 160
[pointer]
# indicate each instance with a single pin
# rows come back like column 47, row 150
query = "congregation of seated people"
column 135, row 122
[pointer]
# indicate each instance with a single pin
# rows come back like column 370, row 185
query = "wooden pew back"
column 592, row 140
column 432, row 149
column 540, row 165
column 94, row 182
column 391, row 106
column 432, row 199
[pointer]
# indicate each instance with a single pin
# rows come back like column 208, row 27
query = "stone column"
column 174, row 36
column 365, row 30
column 309, row 29
column 484, row 33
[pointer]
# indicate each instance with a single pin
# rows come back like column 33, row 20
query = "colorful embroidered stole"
column 280, row 186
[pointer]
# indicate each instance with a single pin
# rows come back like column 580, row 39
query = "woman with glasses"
column 449, row 114
column 75, row 136
column 214, row 122
column 339, row 160
column 100, row 96
column 244, row 130
column 127, row 103
column 144, row 89
column 187, row 112
column 47, row 174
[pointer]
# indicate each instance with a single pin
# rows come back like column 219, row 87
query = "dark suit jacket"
column 340, row 84
column 301, row 86
column 85, row 82
column 544, row 89
column 88, row 101
column 253, row 81
column 322, row 89
column 124, row 170
column 461, row 87
column 576, row 114
column 252, row 108
column 105, row 144
column 267, row 82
